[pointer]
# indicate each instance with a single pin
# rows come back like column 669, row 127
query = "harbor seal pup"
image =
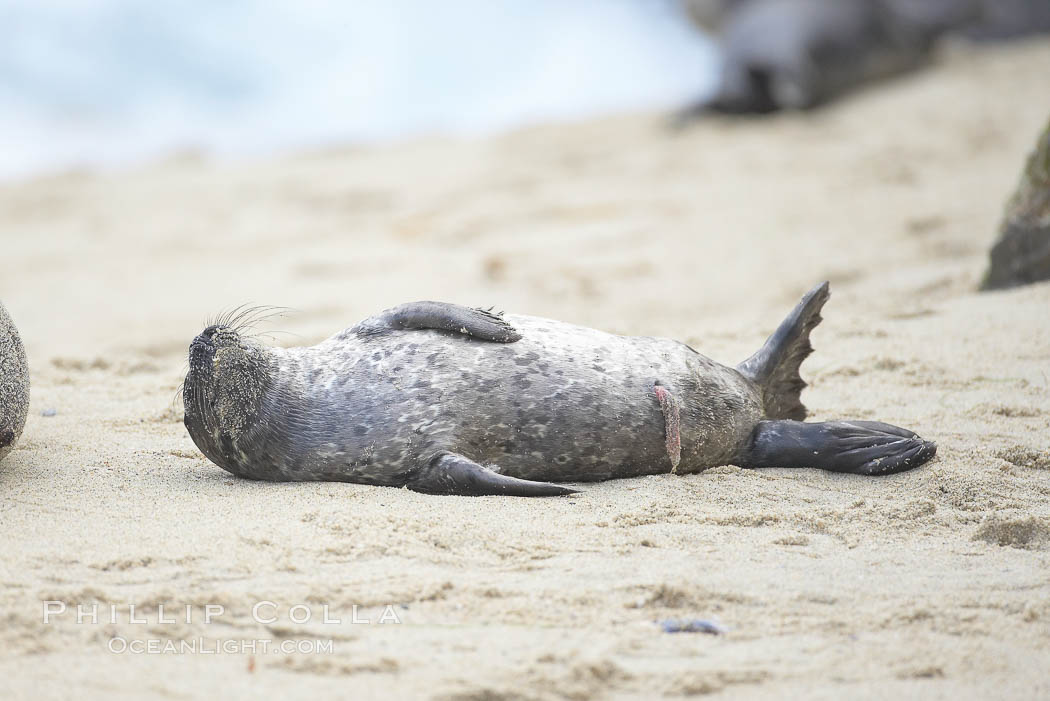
column 14, row 384
column 446, row 399
column 1003, row 20
column 798, row 54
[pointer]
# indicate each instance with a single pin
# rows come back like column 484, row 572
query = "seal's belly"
column 563, row 403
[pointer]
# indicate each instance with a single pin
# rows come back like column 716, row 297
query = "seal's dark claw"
column 890, row 457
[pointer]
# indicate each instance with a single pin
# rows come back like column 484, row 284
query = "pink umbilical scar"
column 672, row 425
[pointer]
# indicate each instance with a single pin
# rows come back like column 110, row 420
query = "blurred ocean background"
column 103, row 83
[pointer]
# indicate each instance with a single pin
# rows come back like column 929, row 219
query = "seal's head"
column 223, row 390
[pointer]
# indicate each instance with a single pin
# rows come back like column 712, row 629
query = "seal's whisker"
column 271, row 336
column 245, row 316
column 178, row 392
column 238, row 315
column 227, row 318
column 269, row 312
column 242, row 314
column 273, row 332
column 258, row 315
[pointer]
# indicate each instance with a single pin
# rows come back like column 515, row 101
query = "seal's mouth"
column 202, row 348
column 197, row 388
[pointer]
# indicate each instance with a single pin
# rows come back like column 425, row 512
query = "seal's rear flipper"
column 859, row 447
column 479, row 323
column 774, row 368
column 451, row 473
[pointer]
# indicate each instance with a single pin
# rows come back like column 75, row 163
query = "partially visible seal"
column 1001, row 20
column 1021, row 255
column 14, row 384
column 711, row 14
column 446, row 399
column 798, row 54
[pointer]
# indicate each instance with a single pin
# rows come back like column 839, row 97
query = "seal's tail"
column 774, row 368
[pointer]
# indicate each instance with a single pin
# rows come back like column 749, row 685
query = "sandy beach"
column 929, row 584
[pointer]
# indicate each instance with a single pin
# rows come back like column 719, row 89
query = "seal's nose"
column 205, row 337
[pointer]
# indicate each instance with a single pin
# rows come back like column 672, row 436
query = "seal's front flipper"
column 858, row 447
column 451, row 473
column 478, row 323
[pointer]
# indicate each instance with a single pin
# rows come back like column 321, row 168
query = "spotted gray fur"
column 388, row 401
column 14, row 384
